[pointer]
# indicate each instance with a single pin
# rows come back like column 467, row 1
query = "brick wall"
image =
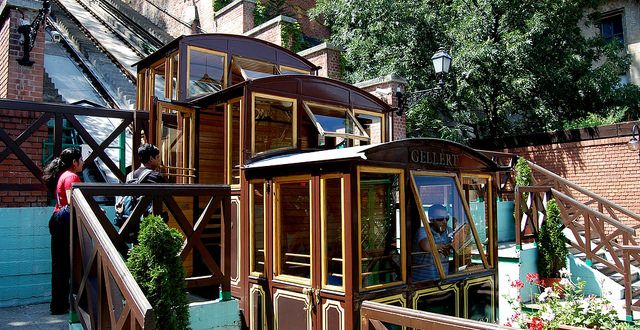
column 270, row 31
column 312, row 28
column 385, row 88
column 602, row 165
column 236, row 18
column 325, row 56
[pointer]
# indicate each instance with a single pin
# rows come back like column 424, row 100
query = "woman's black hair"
column 56, row 167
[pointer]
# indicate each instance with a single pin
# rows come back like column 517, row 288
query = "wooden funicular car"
column 326, row 207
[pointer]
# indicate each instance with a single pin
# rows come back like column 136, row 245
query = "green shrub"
column 524, row 177
column 156, row 266
column 552, row 244
column 219, row 4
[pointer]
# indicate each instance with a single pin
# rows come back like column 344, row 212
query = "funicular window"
column 289, row 70
column 256, row 216
column 372, row 124
column 445, row 228
column 177, row 142
column 293, row 229
column 335, row 123
column 273, row 123
column 206, row 71
column 477, row 189
column 233, row 142
column 175, row 66
column 158, row 80
column 142, row 90
column 250, row 69
column 332, row 187
column 381, row 194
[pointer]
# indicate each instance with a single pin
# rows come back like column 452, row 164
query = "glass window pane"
column 206, row 72
column 334, row 121
column 289, row 70
column 372, row 125
column 174, row 77
column 480, row 303
column 159, row 81
column 476, row 191
column 440, row 301
column 252, row 69
column 449, row 228
column 273, row 124
column 333, row 257
column 294, row 217
column 380, row 228
column 234, row 145
column 257, row 227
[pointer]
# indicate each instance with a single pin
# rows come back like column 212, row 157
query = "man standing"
column 424, row 267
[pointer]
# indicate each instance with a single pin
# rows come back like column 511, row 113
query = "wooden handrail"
column 372, row 313
column 598, row 214
column 140, row 306
column 586, row 192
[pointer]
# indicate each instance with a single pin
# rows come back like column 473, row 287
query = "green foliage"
column 593, row 120
column 219, row 4
column 291, row 35
column 552, row 244
column 156, row 266
column 517, row 66
column 269, row 9
column 524, row 176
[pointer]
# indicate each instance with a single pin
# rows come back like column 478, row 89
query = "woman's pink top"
column 64, row 183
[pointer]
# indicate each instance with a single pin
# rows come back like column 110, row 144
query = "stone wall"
column 327, row 57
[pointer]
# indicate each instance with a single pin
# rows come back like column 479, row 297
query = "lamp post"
column 441, row 63
column 634, row 144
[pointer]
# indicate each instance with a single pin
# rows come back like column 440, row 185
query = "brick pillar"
column 235, row 18
column 385, row 88
column 325, row 56
column 19, row 82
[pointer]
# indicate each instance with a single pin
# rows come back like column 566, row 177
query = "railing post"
column 587, row 238
column 518, row 218
column 627, row 279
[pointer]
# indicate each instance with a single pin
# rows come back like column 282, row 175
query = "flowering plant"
column 564, row 303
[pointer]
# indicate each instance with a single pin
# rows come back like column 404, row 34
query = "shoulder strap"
column 144, row 175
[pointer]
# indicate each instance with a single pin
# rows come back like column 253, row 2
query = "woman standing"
column 59, row 175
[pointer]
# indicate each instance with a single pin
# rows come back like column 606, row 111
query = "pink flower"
column 536, row 324
column 518, row 284
column 533, row 278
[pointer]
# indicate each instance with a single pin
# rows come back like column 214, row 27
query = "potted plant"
column 552, row 245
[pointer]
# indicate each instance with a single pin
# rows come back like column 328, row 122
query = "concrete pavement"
column 32, row 317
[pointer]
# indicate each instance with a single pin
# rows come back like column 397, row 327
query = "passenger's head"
column 70, row 159
column 438, row 217
column 148, row 154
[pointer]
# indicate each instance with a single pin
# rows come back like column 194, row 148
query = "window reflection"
column 174, row 76
column 372, row 125
column 159, row 81
column 476, row 191
column 251, row 69
column 380, row 230
column 445, row 228
column 206, row 72
column 332, row 216
column 335, row 125
column 273, row 123
column 294, row 228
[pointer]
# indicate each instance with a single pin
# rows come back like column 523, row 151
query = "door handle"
column 309, row 301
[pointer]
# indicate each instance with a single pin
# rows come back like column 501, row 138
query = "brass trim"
column 492, row 217
column 228, row 115
column 294, row 120
column 328, row 304
column 204, row 50
column 430, row 291
column 292, row 295
column 277, row 269
column 289, row 68
column 383, row 170
column 252, row 315
column 323, row 225
column 236, row 280
column 476, row 281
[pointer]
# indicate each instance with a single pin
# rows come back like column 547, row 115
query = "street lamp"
column 441, row 63
column 634, row 144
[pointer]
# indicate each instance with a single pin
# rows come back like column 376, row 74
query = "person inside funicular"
column 424, row 266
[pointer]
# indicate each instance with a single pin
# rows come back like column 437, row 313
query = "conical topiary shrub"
column 156, row 266
column 552, row 244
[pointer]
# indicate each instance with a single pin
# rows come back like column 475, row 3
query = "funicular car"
column 326, row 207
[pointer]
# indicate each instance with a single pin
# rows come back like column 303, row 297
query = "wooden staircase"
column 600, row 232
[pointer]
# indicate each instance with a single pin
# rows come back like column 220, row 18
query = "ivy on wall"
column 219, row 4
column 292, row 37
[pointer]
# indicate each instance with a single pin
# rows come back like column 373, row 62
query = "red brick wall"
column 236, row 20
column 19, row 82
column 271, row 33
column 312, row 28
column 605, row 167
column 389, row 85
column 325, row 56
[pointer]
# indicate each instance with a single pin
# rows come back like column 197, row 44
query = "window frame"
column 229, row 143
column 402, row 247
column 187, row 115
column 608, row 16
column 252, row 270
column 490, row 213
column 374, row 114
column 294, row 121
column 277, row 266
column 321, row 130
column 188, row 66
column 290, row 68
column 425, row 221
column 323, row 225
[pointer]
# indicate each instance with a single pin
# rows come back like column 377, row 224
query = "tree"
column 518, row 66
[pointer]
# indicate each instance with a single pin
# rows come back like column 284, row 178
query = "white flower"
column 565, row 273
column 549, row 315
column 543, row 296
column 565, row 281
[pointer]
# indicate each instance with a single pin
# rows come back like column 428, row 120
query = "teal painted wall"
column 25, row 261
column 219, row 315
column 506, row 221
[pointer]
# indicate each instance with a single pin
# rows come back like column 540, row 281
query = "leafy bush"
column 524, row 176
column 156, row 266
column 593, row 120
column 219, row 4
column 552, row 244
